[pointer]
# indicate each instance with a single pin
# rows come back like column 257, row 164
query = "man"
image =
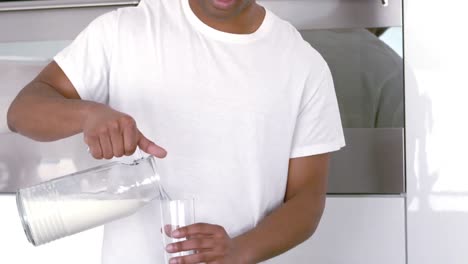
column 244, row 106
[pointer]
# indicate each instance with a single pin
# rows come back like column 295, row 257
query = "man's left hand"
column 211, row 243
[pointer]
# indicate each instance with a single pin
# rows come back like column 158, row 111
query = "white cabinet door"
column 352, row 231
column 355, row 231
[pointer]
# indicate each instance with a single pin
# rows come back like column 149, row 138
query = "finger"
column 198, row 236
column 130, row 136
column 94, row 146
column 199, row 229
column 149, row 147
column 106, row 146
column 168, row 229
column 204, row 257
column 201, row 236
column 191, row 244
column 117, row 140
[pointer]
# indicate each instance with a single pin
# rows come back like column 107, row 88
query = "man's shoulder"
column 291, row 37
column 146, row 13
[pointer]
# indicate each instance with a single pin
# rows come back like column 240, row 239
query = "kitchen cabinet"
column 355, row 230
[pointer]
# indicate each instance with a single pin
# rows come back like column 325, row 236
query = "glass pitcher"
column 86, row 199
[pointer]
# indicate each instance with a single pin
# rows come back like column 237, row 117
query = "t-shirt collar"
column 199, row 25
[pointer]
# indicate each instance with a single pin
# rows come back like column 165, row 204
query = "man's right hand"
column 110, row 133
column 49, row 108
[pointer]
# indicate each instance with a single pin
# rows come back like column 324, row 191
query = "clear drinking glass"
column 176, row 214
column 86, row 199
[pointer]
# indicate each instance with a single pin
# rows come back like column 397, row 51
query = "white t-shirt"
column 230, row 109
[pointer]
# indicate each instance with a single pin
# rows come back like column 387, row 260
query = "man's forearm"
column 43, row 114
column 292, row 223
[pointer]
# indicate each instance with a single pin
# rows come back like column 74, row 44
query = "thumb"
column 150, row 147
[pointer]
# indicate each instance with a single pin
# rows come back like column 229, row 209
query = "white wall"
column 437, row 130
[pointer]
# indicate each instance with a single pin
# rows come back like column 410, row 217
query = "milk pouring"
column 86, row 199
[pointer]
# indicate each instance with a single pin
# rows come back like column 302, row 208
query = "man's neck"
column 246, row 22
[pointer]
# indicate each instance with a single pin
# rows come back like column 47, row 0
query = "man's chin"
column 223, row 9
column 223, row 5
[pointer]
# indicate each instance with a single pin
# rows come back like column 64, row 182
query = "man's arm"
column 285, row 228
column 49, row 108
column 297, row 219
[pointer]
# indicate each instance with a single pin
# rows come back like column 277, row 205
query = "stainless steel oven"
column 361, row 41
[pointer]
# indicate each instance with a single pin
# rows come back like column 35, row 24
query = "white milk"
column 50, row 220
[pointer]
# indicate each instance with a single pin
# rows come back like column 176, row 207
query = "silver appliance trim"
column 64, row 19
column 43, row 5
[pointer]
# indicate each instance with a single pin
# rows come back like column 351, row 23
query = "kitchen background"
column 375, row 213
